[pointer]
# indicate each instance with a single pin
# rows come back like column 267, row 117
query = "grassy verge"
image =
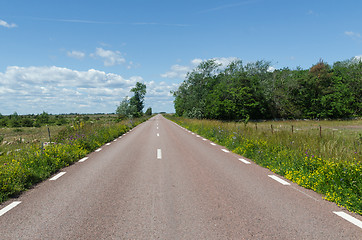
column 329, row 164
column 22, row 168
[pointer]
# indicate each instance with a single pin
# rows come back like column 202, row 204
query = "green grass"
column 329, row 163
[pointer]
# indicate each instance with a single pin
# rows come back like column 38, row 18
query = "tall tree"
column 139, row 94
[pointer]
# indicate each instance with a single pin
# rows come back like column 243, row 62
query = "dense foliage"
column 132, row 107
column 257, row 91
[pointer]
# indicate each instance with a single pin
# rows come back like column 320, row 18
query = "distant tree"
column 148, row 111
column 43, row 118
column 26, row 122
column 14, row 120
column 138, row 98
column 124, row 109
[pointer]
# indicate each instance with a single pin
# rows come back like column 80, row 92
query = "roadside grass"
column 23, row 167
column 17, row 138
column 328, row 162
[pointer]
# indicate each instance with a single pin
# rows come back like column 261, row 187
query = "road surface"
column 161, row 181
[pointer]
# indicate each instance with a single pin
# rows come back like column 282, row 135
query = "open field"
column 338, row 140
column 12, row 138
column 328, row 161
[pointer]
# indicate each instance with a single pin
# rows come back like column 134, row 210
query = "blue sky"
column 84, row 56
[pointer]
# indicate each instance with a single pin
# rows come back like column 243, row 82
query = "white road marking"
column 225, row 150
column 159, row 154
column 9, row 207
column 278, row 179
column 83, row 159
column 115, row 140
column 349, row 218
column 57, row 176
column 120, row 137
column 213, row 144
column 244, row 161
column 99, row 149
column 204, row 139
column 193, row 133
column 157, row 127
column 158, row 134
column 197, row 136
column 108, row 144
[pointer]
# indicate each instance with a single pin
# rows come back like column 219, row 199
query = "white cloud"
column 271, row 69
column 352, row 34
column 358, row 58
column 225, row 61
column 7, row 25
column 109, row 57
column 76, row 54
column 63, row 90
column 196, row 61
column 55, row 89
column 179, row 71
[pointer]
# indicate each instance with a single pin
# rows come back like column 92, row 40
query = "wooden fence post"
column 49, row 135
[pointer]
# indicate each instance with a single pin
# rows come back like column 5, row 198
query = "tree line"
column 32, row 120
column 128, row 108
column 257, row 91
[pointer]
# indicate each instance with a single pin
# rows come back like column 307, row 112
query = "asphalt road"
column 160, row 181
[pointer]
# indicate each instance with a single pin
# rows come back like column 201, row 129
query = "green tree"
column 148, row 111
column 191, row 97
column 239, row 92
column 124, row 109
column 43, row 118
column 137, row 101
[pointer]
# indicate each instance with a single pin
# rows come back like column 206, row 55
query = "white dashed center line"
column 158, row 134
column 278, row 179
column 57, row 176
column 159, row 154
column 9, row 207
